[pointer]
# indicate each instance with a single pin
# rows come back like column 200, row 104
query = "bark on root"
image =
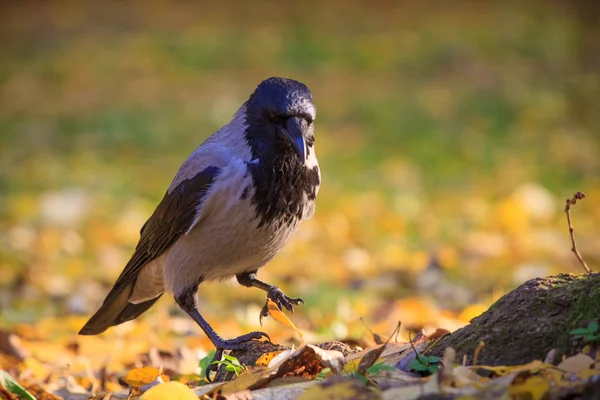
column 528, row 322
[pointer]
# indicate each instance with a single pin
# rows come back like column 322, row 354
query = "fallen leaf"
column 463, row 376
column 431, row 386
column 340, row 390
column 535, row 365
column 306, row 362
column 372, row 356
column 309, row 360
column 438, row 334
column 5, row 394
column 243, row 395
column 280, row 317
column 280, row 357
column 533, row 388
column 256, row 377
column 549, row 359
column 587, row 373
column 12, row 345
column 169, row 390
column 38, row 369
column 39, row 393
column 576, row 363
column 265, row 359
column 138, row 377
column 392, row 353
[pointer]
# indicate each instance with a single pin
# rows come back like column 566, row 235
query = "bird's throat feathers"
column 285, row 186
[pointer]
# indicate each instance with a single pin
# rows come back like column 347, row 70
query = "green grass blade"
column 13, row 386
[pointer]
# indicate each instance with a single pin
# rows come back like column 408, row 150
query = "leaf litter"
column 385, row 371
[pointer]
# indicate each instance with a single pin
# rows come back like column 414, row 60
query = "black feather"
column 280, row 178
column 173, row 217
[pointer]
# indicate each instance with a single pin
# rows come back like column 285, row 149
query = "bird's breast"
column 284, row 192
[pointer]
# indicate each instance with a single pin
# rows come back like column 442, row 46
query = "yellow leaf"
column 533, row 388
column 143, row 376
column 266, row 358
column 38, row 369
column 280, row 317
column 344, row 390
column 535, row 365
column 430, row 386
column 577, row 363
column 465, row 376
column 587, row 373
column 352, row 365
column 169, row 390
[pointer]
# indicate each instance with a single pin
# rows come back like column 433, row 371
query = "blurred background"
column 449, row 135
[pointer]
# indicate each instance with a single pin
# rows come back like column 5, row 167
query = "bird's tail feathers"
column 115, row 311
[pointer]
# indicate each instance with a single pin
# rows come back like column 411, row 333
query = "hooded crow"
column 232, row 206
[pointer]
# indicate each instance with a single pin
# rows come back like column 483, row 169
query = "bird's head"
column 279, row 116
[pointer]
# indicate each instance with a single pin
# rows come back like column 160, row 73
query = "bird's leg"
column 249, row 279
column 187, row 301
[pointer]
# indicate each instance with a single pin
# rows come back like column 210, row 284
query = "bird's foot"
column 281, row 299
column 239, row 343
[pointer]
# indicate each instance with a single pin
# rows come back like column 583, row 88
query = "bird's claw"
column 239, row 343
column 281, row 299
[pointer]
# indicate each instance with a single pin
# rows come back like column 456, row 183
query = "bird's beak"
column 293, row 131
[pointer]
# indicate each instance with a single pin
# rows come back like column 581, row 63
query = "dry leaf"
column 280, row 357
column 306, row 362
column 463, row 376
column 438, row 334
column 280, row 317
column 267, row 358
column 368, row 360
column 243, row 395
column 257, row 377
column 309, row 360
column 577, row 363
column 138, row 377
column 533, row 388
column 340, row 390
column 587, row 373
column 169, row 390
column 431, row 386
column 12, row 345
column 372, row 356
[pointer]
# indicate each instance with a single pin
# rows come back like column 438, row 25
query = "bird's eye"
column 272, row 116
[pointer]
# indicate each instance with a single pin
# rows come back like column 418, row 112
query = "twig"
column 376, row 337
column 477, row 351
column 418, row 356
column 571, row 202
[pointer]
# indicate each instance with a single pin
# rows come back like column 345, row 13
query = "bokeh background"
column 449, row 135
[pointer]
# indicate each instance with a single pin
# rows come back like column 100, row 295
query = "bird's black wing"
column 172, row 218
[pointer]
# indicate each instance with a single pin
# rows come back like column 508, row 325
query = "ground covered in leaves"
column 335, row 370
column 448, row 140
